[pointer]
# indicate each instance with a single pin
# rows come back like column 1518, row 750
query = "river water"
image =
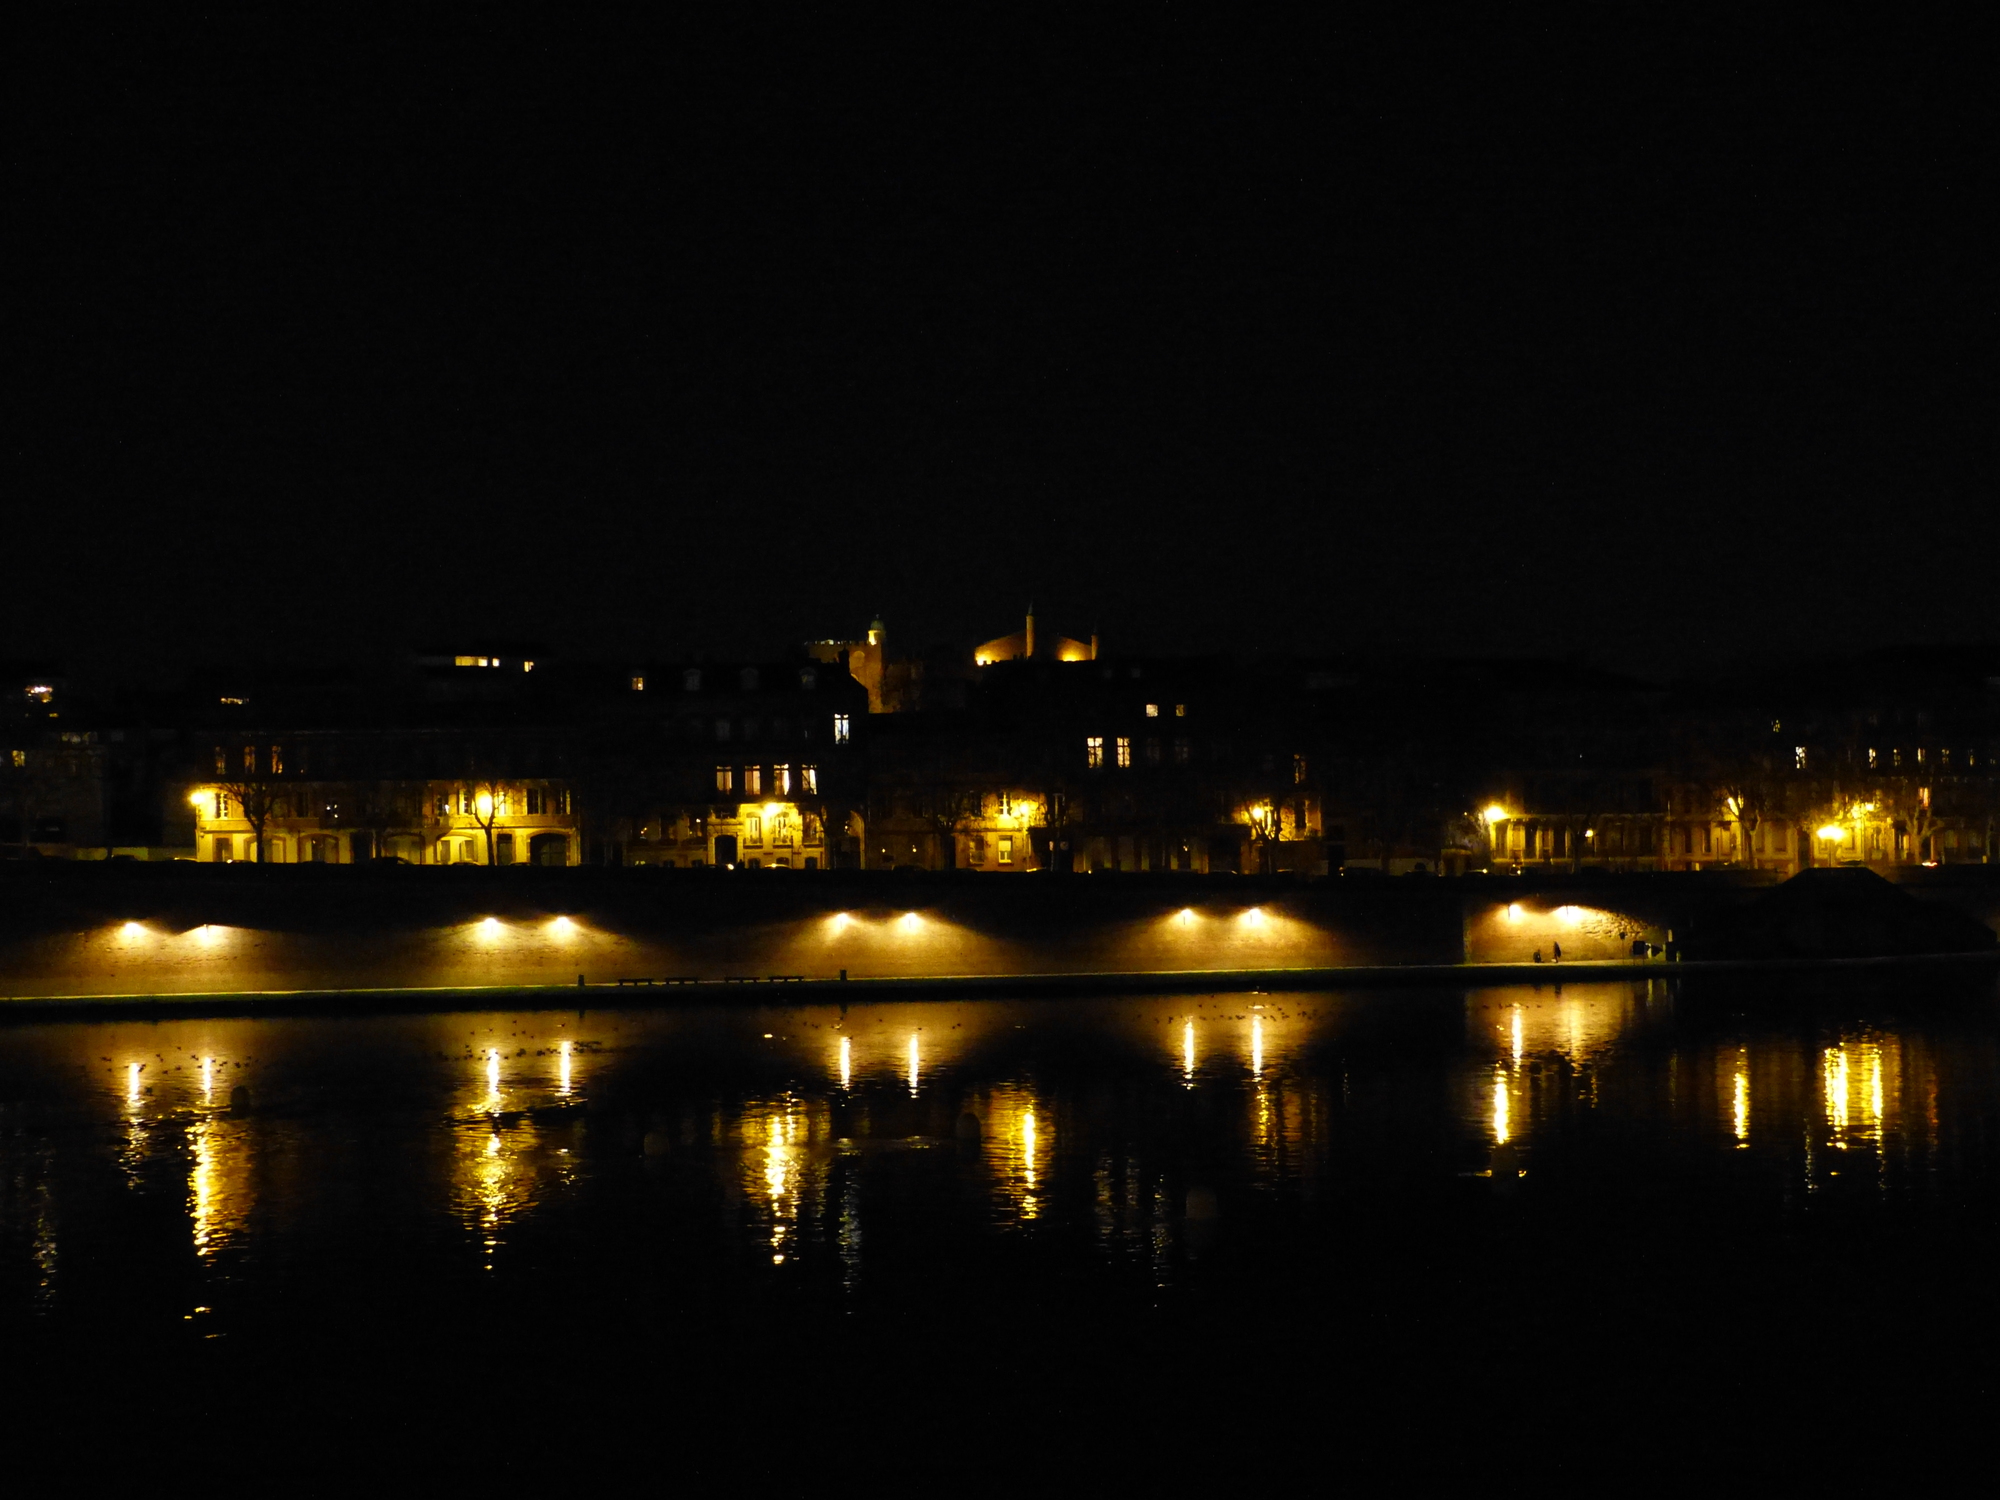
column 1433, row 1231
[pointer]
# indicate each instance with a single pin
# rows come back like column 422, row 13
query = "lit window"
column 221, row 804
column 753, row 829
column 809, row 779
column 1152, row 710
column 1920, row 755
column 1093, row 751
column 781, row 780
column 725, row 778
column 1923, row 796
column 250, row 758
column 20, row 757
column 535, row 806
column 638, row 684
column 1872, row 761
column 1006, row 854
column 753, row 780
column 1298, row 770
column 808, row 678
column 1124, row 753
column 468, row 661
column 277, row 761
column 1180, row 710
column 221, row 761
column 1798, row 757
column 841, row 729
column 527, row 666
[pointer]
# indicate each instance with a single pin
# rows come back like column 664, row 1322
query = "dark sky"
column 1638, row 343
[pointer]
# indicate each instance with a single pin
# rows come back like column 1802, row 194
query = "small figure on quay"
column 1558, row 950
column 1538, row 955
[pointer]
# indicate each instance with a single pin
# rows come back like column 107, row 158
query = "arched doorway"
column 548, row 849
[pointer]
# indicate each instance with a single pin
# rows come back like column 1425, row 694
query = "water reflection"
column 1740, row 1100
column 1093, row 1125
column 1019, row 1144
column 785, row 1166
column 219, row 1183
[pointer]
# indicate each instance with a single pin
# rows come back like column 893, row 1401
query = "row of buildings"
column 1029, row 752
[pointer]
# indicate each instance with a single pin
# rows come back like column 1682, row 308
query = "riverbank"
column 781, row 990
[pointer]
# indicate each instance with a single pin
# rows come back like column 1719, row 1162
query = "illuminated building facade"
column 740, row 765
column 1027, row 754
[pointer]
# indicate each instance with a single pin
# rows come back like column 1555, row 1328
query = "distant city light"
column 911, row 921
column 1494, row 813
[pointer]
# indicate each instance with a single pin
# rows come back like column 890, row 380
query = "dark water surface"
column 988, row 1244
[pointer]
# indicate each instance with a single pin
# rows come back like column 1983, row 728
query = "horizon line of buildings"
column 1032, row 751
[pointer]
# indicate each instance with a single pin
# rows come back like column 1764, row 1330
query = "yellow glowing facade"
column 428, row 823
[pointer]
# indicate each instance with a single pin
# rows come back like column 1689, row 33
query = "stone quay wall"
column 199, row 929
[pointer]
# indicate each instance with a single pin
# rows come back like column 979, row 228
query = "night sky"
column 1640, row 344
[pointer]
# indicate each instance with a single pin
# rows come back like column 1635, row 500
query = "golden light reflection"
column 492, row 1079
column 1187, row 1052
column 779, row 1135
column 846, row 1062
column 1740, row 1109
column 1834, row 1078
column 1256, row 1046
column 218, row 1183
column 1020, row 1140
column 1515, row 1031
column 1853, row 1077
column 1502, row 1111
column 916, row 1059
column 563, row 1069
column 132, row 1071
column 207, row 1079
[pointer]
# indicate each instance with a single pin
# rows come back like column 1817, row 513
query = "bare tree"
column 258, row 798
